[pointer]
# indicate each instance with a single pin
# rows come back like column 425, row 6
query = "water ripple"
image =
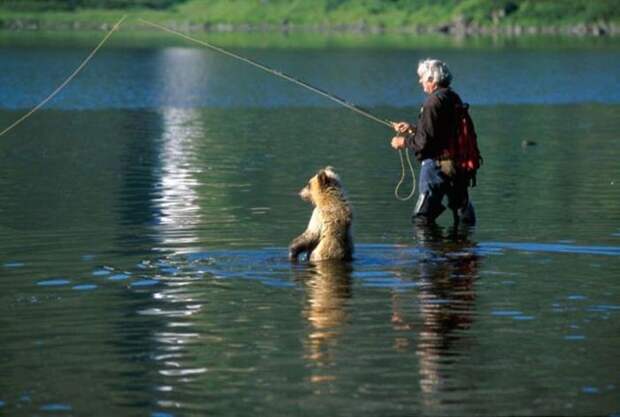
column 552, row 247
column 54, row 282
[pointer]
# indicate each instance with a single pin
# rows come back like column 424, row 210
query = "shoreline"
column 455, row 29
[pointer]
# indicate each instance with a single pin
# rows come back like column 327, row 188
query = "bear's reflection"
column 328, row 288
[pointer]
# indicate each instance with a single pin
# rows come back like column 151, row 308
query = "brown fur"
column 328, row 235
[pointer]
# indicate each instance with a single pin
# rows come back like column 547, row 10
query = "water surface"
column 144, row 219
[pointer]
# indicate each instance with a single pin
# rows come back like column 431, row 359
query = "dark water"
column 144, row 218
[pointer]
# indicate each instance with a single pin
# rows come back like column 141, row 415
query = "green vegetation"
column 408, row 15
column 73, row 5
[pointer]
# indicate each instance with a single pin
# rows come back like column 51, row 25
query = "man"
column 431, row 139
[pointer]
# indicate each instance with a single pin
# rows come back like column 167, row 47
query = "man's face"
column 427, row 86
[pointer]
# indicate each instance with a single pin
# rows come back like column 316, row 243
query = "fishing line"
column 67, row 81
column 310, row 87
column 402, row 176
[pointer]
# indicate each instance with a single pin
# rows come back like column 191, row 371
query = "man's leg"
column 467, row 215
column 460, row 204
column 429, row 206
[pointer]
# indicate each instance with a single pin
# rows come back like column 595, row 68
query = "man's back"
column 437, row 124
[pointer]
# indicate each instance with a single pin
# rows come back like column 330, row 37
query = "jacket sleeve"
column 426, row 127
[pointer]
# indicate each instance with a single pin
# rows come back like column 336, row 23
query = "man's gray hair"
column 435, row 70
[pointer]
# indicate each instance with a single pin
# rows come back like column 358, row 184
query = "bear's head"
column 323, row 183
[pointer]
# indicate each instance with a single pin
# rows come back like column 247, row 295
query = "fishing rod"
column 277, row 73
column 307, row 86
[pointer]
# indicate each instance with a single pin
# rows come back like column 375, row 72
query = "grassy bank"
column 451, row 16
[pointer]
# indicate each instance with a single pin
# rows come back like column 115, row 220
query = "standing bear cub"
column 328, row 235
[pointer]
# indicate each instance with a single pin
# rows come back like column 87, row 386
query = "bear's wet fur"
column 328, row 235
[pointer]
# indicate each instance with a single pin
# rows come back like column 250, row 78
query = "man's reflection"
column 328, row 289
column 447, row 272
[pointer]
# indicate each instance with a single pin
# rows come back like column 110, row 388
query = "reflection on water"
column 446, row 302
column 177, row 200
column 416, row 321
column 144, row 251
column 151, row 232
column 182, row 129
column 327, row 288
column 433, row 323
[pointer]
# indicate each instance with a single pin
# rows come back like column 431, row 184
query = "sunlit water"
column 144, row 219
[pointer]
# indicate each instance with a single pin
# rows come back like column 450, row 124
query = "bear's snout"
column 305, row 194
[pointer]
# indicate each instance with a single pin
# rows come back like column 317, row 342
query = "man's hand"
column 398, row 142
column 401, row 127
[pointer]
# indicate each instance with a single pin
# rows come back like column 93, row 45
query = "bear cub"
column 328, row 235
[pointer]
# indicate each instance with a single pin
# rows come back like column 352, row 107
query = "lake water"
column 145, row 215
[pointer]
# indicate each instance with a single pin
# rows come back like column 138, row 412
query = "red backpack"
column 465, row 150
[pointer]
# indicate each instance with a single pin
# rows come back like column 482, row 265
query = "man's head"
column 433, row 74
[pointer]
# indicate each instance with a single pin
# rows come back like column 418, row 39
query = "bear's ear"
column 322, row 178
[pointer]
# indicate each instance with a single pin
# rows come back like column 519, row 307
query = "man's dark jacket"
column 437, row 125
